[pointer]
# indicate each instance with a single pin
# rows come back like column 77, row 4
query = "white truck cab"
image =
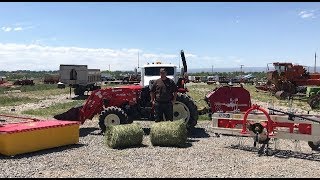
column 151, row 72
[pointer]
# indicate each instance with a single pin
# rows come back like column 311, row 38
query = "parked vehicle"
column 80, row 78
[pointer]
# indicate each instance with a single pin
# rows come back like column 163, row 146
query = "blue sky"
column 43, row 35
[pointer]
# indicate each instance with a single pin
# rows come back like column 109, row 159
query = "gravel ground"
column 205, row 156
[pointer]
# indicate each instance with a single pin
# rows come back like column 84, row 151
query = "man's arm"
column 152, row 96
column 175, row 92
column 174, row 96
column 152, row 92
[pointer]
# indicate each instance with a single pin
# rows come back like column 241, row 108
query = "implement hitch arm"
column 291, row 115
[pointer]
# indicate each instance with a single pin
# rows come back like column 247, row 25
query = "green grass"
column 37, row 87
column 14, row 101
column 259, row 95
column 268, row 97
column 204, row 117
column 28, row 94
column 49, row 92
column 198, row 93
column 53, row 110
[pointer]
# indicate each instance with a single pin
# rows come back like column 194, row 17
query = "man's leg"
column 168, row 111
column 159, row 112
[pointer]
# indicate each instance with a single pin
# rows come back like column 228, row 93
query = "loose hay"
column 169, row 133
column 124, row 135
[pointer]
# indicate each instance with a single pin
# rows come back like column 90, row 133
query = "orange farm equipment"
column 288, row 77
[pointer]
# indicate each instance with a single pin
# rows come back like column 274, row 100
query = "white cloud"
column 43, row 41
column 190, row 56
column 40, row 57
column 18, row 29
column 15, row 28
column 308, row 14
column 6, row 29
column 159, row 56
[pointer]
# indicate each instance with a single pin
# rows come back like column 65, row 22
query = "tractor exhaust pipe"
column 72, row 114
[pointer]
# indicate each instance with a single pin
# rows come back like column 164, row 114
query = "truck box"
column 79, row 75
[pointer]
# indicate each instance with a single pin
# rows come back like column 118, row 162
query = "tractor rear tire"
column 112, row 116
column 186, row 104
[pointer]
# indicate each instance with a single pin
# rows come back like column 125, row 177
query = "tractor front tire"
column 112, row 116
column 314, row 101
column 185, row 108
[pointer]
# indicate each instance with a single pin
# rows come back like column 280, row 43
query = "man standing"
column 163, row 95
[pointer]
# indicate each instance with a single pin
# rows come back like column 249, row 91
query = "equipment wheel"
column 112, row 116
column 314, row 101
column 185, row 108
column 314, row 145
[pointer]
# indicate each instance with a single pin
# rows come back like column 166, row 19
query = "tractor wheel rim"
column 111, row 119
column 180, row 111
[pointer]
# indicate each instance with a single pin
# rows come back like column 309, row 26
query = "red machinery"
column 2, row 80
column 24, row 82
column 121, row 105
column 287, row 77
column 51, row 79
column 228, row 98
column 264, row 125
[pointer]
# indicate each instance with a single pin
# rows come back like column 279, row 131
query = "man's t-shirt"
column 164, row 89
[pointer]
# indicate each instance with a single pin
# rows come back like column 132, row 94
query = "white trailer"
column 80, row 78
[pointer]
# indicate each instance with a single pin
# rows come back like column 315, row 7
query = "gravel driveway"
column 205, row 156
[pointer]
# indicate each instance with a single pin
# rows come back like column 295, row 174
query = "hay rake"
column 262, row 126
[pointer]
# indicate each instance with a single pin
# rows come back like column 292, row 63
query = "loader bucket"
column 72, row 114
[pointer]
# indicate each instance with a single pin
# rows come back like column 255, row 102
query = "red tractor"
column 2, row 80
column 121, row 105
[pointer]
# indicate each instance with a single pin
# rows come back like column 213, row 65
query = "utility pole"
column 315, row 62
column 212, row 69
column 109, row 67
column 138, row 59
column 241, row 71
column 241, row 68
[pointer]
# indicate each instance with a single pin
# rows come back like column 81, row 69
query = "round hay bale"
column 169, row 133
column 124, row 135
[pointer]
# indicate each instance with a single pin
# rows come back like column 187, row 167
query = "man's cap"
column 163, row 70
